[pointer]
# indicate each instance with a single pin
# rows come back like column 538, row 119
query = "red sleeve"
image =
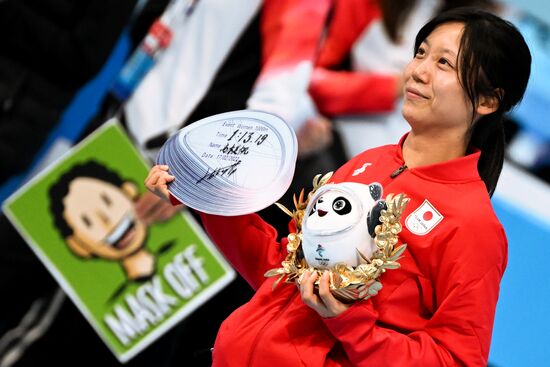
column 291, row 31
column 349, row 20
column 248, row 243
column 469, row 271
column 344, row 93
column 341, row 92
column 173, row 200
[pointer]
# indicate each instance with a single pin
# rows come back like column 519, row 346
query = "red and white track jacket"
column 436, row 310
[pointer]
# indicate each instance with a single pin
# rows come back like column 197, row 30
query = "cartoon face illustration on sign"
column 340, row 221
column 94, row 212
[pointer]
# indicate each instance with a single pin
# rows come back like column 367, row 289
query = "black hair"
column 60, row 189
column 494, row 61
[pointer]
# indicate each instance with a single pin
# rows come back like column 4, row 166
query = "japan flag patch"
column 423, row 219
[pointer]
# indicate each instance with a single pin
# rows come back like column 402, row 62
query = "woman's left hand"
column 324, row 303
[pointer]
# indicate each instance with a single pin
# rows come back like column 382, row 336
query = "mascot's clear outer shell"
column 347, row 283
column 334, row 228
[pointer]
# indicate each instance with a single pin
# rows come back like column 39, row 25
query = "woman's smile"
column 414, row 94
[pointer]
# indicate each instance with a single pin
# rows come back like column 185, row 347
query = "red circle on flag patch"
column 428, row 215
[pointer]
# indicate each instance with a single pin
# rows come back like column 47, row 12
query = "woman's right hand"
column 157, row 181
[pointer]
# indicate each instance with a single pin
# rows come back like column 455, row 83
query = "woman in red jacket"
column 438, row 308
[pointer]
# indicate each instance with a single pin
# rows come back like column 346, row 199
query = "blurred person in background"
column 225, row 56
column 258, row 55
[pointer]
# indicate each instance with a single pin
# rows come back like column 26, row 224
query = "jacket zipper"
column 398, row 171
column 392, row 176
column 265, row 327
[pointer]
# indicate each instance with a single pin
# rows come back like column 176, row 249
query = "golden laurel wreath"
column 347, row 283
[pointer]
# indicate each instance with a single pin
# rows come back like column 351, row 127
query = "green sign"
column 132, row 279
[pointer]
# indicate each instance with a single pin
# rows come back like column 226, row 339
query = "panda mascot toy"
column 347, row 230
column 339, row 222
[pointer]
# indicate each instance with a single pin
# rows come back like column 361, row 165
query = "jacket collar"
column 461, row 169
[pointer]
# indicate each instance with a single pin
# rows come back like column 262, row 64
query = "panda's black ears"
column 373, row 219
column 375, row 191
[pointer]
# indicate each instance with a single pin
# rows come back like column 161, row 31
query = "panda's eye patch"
column 341, row 205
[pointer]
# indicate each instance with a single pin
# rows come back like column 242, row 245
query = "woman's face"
column 433, row 96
